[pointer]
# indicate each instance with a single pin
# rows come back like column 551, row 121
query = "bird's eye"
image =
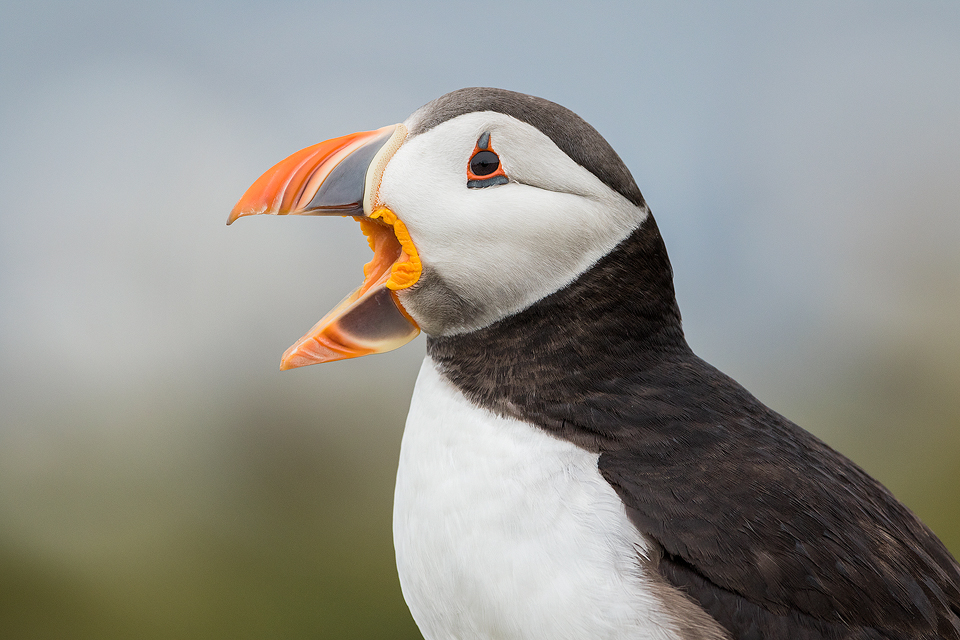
column 484, row 163
column 485, row 169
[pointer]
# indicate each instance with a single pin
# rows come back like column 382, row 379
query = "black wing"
column 772, row 531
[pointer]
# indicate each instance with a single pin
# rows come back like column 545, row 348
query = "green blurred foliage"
column 259, row 524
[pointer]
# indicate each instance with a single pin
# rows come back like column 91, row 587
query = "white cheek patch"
column 502, row 248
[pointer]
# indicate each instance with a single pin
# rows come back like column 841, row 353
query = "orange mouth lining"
column 392, row 249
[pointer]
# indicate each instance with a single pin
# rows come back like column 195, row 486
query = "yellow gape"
column 407, row 268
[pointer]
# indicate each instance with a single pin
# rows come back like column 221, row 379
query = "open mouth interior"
column 371, row 319
column 386, row 251
column 393, row 252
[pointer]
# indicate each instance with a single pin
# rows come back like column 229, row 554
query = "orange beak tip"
column 308, row 351
column 240, row 213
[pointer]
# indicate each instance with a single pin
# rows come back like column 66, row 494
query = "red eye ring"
column 484, row 168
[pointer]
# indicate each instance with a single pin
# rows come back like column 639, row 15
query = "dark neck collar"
column 614, row 320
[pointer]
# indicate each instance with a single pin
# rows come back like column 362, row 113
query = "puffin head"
column 481, row 203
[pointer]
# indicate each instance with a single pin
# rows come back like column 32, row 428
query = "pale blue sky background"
column 802, row 161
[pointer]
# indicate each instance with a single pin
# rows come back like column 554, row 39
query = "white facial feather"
column 500, row 248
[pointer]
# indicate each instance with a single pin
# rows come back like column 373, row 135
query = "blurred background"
column 160, row 478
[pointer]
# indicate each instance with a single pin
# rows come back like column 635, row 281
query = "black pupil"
column 484, row 163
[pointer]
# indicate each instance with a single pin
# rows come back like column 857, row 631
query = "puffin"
column 569, row 468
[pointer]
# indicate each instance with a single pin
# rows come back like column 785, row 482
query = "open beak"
column 342, row 177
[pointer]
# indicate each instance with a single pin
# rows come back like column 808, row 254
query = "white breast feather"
column 504, row 532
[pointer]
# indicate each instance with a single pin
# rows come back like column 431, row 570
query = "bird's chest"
column 503, row 531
